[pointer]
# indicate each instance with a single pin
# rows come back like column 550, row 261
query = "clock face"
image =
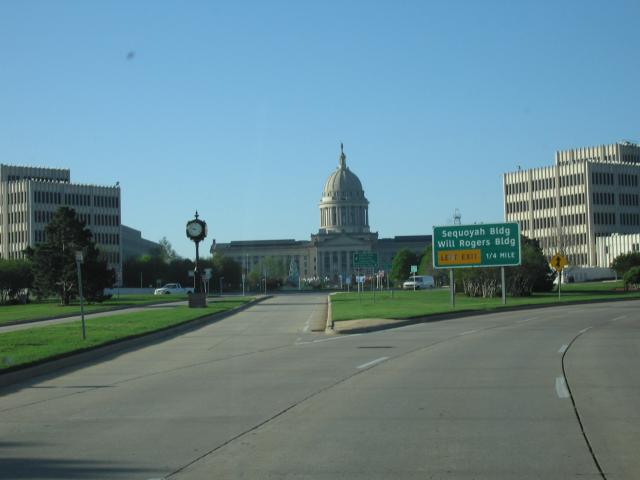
column 194, row 229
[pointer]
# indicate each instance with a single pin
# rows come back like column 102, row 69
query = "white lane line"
column 307, row 325
column 372, row 362
column 563, row 349
column 561, row 388
column 527, row 320
column 619, row 318
column 329, row 339
column 468, row 332
column 585, row 330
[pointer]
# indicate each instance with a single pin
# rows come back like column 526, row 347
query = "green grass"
column 52, row 308
column 407, row 304
column 39, row 343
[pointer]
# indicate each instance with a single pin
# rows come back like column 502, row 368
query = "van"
column 421, row 281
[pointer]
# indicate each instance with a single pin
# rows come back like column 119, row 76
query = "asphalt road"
column 547, row 394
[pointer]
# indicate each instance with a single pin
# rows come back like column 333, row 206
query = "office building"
column 589, row 193
column 29, row 196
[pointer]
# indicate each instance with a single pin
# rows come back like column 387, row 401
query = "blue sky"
column 238, row 108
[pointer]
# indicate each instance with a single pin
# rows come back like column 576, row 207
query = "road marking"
column 585, row 330
column 561, row 388
column 468, row 332
column 372, row 362
column 619, row 318
column 563, row 349
column 527, row 319
column 329, row 339
column 306, row 325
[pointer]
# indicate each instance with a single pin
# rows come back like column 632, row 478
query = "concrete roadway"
column 258, row 395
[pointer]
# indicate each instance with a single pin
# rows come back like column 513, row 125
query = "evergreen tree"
column 54, row 261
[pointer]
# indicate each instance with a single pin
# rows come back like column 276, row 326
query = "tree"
column 625, row 261
column 401, row 265
column 534, row 273
column 166, row 251
column 632, row 278
column 54, row 261
column 16, row 278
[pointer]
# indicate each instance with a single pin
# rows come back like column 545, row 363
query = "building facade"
column 608, row 248
column 133, row 245
column 344, row 230
column 589, row 193
column 29, row 196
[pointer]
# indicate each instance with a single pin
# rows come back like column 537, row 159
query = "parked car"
column 174, row 288
column 421, row 281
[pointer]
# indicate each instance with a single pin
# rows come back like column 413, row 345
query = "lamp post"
column 79, row 261
column 197, row 231
column 221, row 279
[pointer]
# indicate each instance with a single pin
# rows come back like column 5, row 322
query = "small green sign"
column 481, row 245
column 365, row 259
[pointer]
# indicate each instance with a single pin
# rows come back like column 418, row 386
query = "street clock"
column 196, row 229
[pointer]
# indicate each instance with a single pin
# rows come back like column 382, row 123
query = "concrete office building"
column 30, row 195
column 344, row 230
column 608, row 248
column 589, row 193
column 133, row 245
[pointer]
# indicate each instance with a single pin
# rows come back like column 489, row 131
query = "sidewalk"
column 110, row 313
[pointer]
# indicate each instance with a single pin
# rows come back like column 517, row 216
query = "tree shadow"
column 22, row 468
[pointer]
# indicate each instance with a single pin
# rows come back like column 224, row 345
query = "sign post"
column 479, row 245
column 414, row 270
column 558, row 262
column 79, row 261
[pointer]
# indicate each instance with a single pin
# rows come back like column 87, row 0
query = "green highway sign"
column 365, row 259
column 482, row 245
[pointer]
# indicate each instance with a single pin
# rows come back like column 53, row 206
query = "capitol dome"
column 343, row 207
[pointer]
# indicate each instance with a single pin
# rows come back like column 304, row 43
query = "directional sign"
column 414, row 269
column 365, row 259
column 558, row 262
column 481, row 245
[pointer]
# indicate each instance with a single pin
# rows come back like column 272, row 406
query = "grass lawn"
column 38, row 343
column 52, row 308
column 406, row 304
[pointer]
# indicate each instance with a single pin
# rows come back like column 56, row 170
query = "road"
column 546, row 394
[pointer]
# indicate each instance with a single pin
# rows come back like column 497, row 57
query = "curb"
column 438, row 317
column 329, row 325
column 78, row 359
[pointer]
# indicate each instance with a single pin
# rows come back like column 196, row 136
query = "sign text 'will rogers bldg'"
column 486, row 245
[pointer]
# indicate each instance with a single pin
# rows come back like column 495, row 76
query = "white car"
column 421, row 281
column 174, row 288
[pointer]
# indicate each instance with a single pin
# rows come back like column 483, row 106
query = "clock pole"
column 197, row 231
column 196, row 270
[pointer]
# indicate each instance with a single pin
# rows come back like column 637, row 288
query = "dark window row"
column 541, row 203
column 107, row 238
column 545, row 222
column 516, row 207
column 572, row 180
column 602, row 178
column 629, row 199
column 543, row 184
column 604, row 198
column 604, row 218
column 572, row 200
column 519, row 187
column 573, row 219
column 627, row 180
column 630, row 218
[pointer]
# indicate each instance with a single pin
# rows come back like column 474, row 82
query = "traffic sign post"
column 558, row 262
column 480, row 245
column 365, row 259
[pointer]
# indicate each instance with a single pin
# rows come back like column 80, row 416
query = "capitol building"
column 344, row 230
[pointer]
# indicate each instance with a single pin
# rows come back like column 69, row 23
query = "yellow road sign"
column 558, row 262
